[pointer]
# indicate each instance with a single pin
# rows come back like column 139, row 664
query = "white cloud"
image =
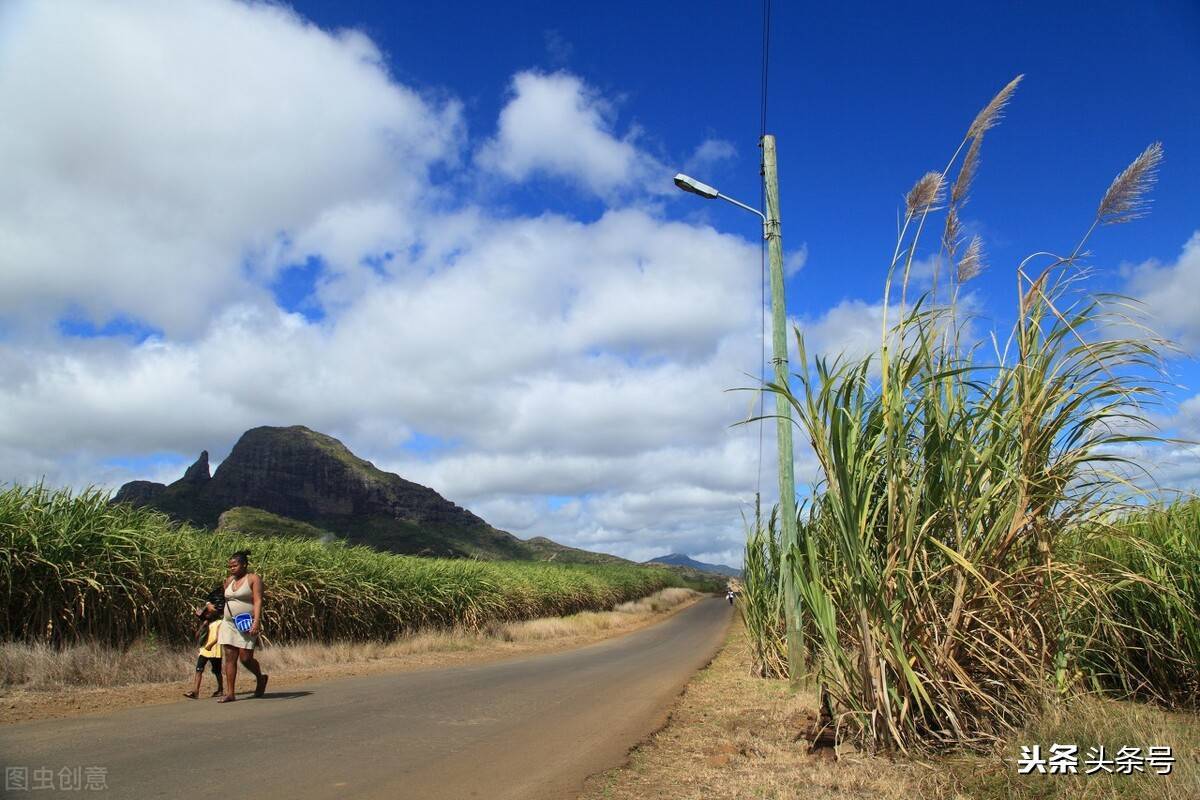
column 795, row 260
column 1186, row 419
column 1171, row 464
column 708, row 156
column 852, row 328
column 921, row 272
column 556, row 125
column 1175, row 465
column 559, row 358
column 1170, row 294
column 165, row 164
column 504, row 349
column 558, row 48
column 163, row 150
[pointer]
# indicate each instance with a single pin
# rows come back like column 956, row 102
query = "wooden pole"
column 783, row 409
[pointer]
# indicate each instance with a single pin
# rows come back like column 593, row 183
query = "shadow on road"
column 284, row 695
column 272, row 696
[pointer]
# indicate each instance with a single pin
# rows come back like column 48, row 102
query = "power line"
column 762, row 251
column 766, row 64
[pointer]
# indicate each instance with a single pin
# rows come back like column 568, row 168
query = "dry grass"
column 39, row 667
column 587, row 622
column 732, row 735
column 1087, row 722
column 660, row 601
column 314, row 655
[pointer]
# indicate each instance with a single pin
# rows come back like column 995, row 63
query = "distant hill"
column 256, row 522
column 681, row 560
column 546, row 550
column 297, row 481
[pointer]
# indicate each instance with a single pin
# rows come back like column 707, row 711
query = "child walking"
column 210, row 652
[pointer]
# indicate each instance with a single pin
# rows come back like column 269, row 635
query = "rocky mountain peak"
column 305, row 475
column 297, row 481
column 198, row 472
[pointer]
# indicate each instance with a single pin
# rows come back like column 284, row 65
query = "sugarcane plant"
column 761, row 601
column 938, row 576
column 76, row 567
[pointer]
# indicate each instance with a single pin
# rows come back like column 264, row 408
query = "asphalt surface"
column 528, row 728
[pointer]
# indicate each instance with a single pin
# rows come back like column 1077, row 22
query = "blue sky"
column 449, row 236
column 864, row 98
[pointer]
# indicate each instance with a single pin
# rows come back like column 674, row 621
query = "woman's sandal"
column 227, row 699
column 190, row 695
column 260, row 687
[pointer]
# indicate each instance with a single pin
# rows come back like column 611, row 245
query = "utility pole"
column 783, row 409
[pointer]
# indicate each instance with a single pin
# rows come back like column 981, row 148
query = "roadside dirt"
column 733, row 735
column 23, row 705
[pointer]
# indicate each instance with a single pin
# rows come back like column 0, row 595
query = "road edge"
column 32, row 705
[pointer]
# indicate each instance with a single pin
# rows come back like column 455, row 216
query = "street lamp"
column 693, row 186
column 783, row 410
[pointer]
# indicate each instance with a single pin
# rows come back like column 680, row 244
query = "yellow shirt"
column 211, row 649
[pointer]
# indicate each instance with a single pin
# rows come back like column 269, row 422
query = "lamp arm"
column 752, row 209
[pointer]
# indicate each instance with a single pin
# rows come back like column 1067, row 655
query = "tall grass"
column 75, row 568
column 28, row 665
column 761, row 601
column 938, row 577
column 1150, row 560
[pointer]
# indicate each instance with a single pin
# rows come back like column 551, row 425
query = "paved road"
column 532, row 727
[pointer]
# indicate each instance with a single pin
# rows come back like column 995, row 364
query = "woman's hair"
column 241, row 556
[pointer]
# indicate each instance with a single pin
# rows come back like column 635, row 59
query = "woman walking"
column 239, row 629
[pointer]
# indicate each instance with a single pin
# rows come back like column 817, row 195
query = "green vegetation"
column 78, row 568
column 1150, row 560
column 256, row 522
column 761, row 602
column 543, row 549
column 962, row 565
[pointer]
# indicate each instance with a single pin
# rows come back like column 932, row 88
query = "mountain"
column 317, row 485
column 681, row 560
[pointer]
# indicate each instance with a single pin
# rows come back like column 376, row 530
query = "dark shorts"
column 215, row 663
